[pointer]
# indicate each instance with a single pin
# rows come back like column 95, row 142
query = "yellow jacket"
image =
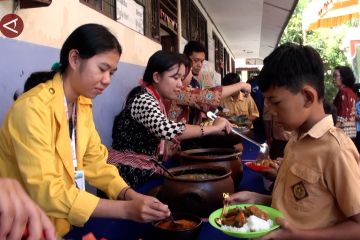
column 35, row 149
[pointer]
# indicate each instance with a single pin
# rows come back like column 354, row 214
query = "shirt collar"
column 319, row 129
column 239, row 98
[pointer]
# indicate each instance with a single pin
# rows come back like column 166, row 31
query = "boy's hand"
column 271, row 173
column 248, row 197
column 286, row 231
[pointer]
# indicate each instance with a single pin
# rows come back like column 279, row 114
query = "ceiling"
column 250, row 28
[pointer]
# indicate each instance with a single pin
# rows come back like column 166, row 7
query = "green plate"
column 273, row 213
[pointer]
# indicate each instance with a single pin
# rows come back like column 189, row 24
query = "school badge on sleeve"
column 299, row 191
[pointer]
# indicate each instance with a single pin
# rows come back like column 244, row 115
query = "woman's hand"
column 245, row 87
column 18, row 212
column 248, row 197
column 146, row 209
column 222, row 125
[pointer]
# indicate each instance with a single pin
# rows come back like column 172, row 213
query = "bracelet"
column 202, row 131
column 124, row 193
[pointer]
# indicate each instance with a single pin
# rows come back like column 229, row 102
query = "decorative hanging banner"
column 170, row 22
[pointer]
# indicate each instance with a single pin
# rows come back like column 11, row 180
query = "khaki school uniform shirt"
column 241, row 106
column 318, row 182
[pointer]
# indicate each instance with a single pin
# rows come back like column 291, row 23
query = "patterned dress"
column 181, row 109
column 345, row 104
column 137, row 134
column 202, row 99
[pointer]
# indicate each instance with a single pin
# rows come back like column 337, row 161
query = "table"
column 129, row 230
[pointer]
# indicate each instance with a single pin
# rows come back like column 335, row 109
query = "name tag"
column 80, row 179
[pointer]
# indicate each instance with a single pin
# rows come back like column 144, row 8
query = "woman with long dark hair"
column 49, row 142
column 141, row 128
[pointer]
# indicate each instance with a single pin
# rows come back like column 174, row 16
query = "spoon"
column 264, row 148
column 174, row 223
column 163, row 167
column 217, row 220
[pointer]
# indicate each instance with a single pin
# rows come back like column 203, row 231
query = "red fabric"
column 89, row 236
column 132, row 159
column 345, row 103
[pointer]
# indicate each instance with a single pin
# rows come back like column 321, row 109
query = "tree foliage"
column 328, row 42
column 293, row 31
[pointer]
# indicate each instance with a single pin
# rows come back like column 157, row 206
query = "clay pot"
column 225, row 157
column 196, row 189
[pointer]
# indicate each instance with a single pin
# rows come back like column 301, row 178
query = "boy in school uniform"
column 317, row 187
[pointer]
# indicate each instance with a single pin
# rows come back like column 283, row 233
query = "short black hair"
column 347, row 75
column 187, row 63
column 356, row 89
column 230, row 79
column 194, row 46
column 291, row 66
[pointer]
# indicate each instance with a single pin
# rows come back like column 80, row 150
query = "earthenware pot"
column 225, row 157
column 196, row 189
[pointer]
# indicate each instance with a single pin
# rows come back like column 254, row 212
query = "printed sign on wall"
column 131, row 14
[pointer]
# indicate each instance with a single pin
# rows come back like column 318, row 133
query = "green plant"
column 328, row 42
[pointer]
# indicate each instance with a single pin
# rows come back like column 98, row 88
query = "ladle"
column 163, row 167
column 264, row 148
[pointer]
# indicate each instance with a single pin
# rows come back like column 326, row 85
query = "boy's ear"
column 309, row 96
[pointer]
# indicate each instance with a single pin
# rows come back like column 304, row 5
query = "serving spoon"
column 163, row 167
column 264, row 148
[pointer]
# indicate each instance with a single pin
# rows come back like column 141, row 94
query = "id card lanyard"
column 78, row 174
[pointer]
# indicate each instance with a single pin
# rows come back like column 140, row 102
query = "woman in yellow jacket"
column 49, row 143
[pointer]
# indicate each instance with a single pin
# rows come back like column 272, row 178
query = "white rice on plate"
column 254, row 224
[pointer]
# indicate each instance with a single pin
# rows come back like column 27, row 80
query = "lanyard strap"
column 72, row 132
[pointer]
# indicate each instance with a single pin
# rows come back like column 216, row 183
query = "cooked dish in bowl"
column 249, row 218
column 260, row 165
column 183, row 226
column 176, row 225
column 197, row 176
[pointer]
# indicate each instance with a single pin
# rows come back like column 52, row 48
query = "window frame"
column 90, row 4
